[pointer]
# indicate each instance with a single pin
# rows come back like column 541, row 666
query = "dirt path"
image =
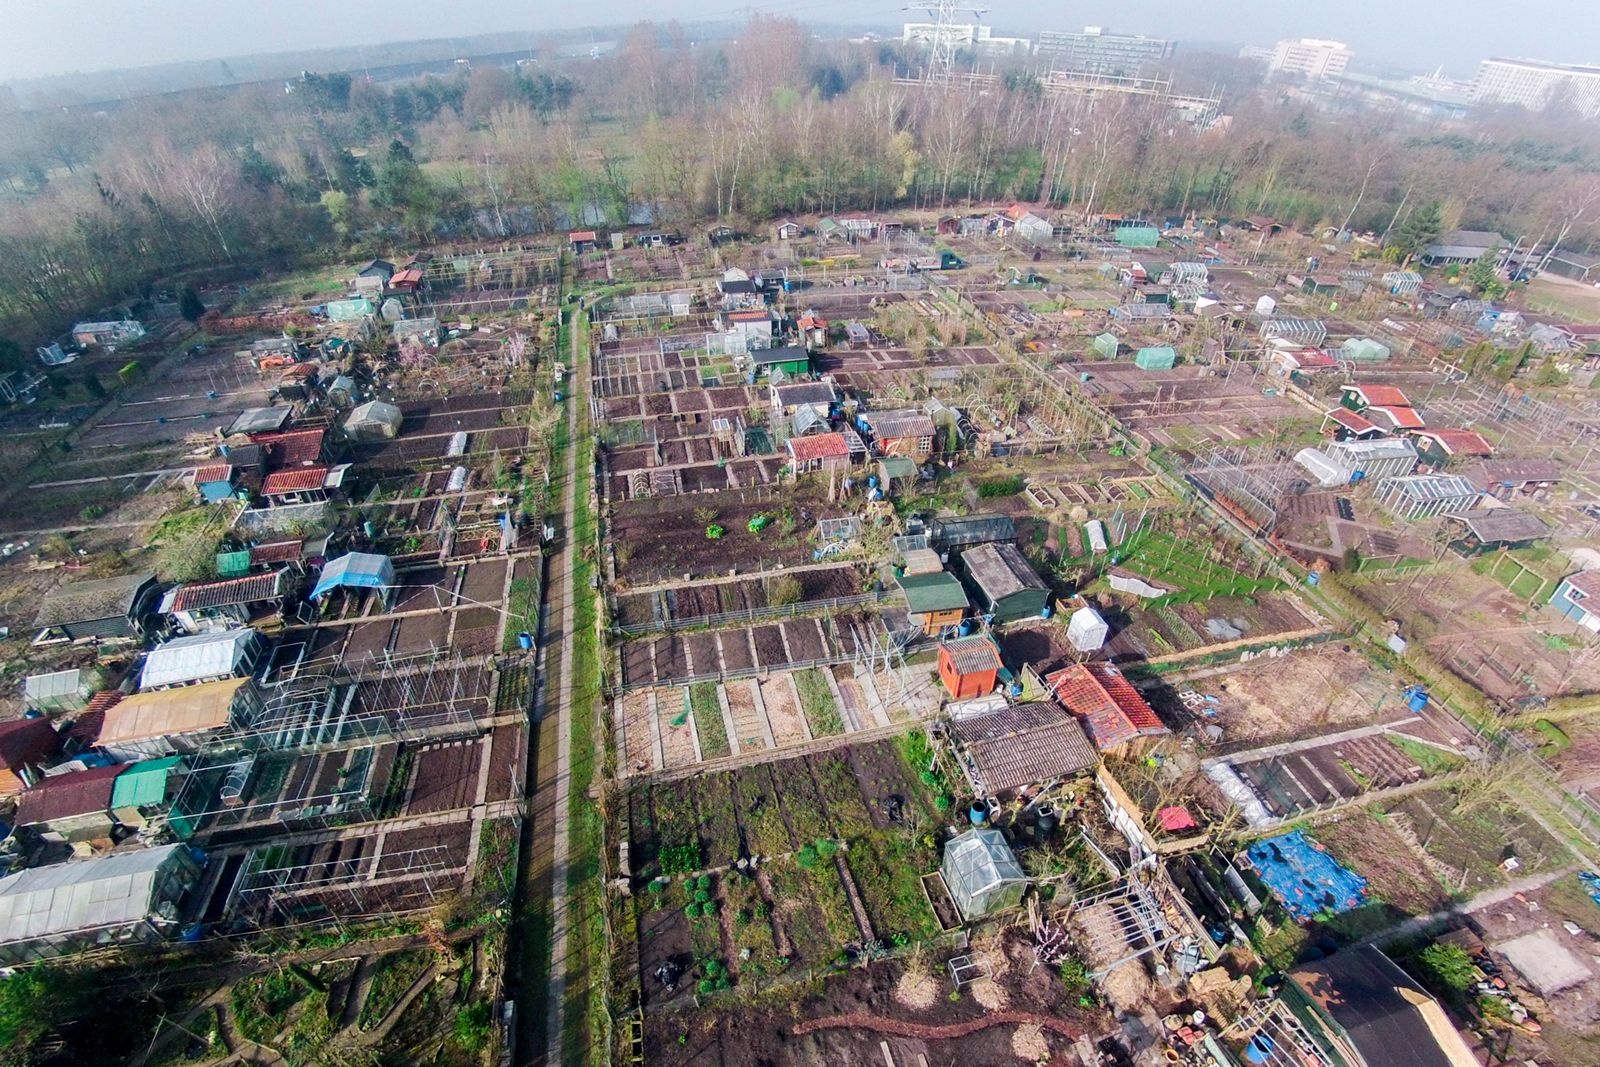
column 928, row 1032
column 1418, row 924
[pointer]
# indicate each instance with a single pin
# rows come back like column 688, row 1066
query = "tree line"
column 100, row 207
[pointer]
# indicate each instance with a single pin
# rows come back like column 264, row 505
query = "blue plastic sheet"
column 1304, row 878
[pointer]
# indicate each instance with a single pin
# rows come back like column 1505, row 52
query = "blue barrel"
column 965, row 627
column 872, row 481
column 1313, row 578
column 1417, row 699
column 978, row 814
column 1046, row 611
column 1016, row 689
column 559, row 397
column 525, row 640
column 1259, row 1050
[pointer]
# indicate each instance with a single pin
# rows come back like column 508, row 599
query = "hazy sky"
column 60, row 36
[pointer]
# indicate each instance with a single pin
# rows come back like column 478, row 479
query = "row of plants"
column 706, row 707
column 816, row 700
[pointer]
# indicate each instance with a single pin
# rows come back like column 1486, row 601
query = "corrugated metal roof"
column 1024, row 744
column 190, row 659
column 171, row 712
column 66, row 795
column 144, row 783
column 819, row 446
column 972, row 655
column 1000, row 570
column 938, row 591
column 103, row 598
column 295, row 480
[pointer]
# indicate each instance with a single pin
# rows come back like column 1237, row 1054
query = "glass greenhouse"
column 982, row 873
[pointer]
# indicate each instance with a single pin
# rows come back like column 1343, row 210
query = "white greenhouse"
column 982, row 873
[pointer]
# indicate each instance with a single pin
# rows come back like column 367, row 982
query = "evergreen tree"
column 1419, row 229
column 1483, row 278
column 190, row 305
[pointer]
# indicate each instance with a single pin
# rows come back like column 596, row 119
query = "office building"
column 1097, row 52
column 1535, row 85
column 1309, row 57
column 970, row 37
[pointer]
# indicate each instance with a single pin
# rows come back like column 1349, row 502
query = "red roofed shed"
column 1112, row 711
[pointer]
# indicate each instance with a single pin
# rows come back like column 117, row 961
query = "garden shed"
column 357, row 570
column 982, row 873
column 1105, row 346
column 1007, row 586
column 373, row 421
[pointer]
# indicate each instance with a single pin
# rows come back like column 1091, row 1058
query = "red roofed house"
column 1438, row 447
column 1360, row 397
column 200, row 607
column 1304, row 360
column 76, row 806
column 819, row 452
column 214, row 481
column 298, row 485
column 1111, row 709
column 906, row 433
column 969, row 667
column 294, row 448
column 583, row 240
column 84, row 733
column 1348, row 426
column 1394, row 417
column 26, row 745
column 754, row 325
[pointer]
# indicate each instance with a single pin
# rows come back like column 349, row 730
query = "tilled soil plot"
column 735, row 646
column 747, row 723
column 508, row 752
column 446, row 777
column 638, row 663
column 638, row 731
column 770, row 650
column 447, row 845
column 828, row 583
column 677, row 737
column 669, row 658
column 737, row 1034
column 693, row 601
column 485, row 581
column 704, row 656
column 417, row 633
column 663, row 938
column 805, row 639
column 368, row 640
column 783, row 710
column 880, row 772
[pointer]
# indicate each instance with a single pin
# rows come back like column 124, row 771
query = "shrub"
column 996, row 487
column 472, row 1026
column 807, row 856
column 706, row 985
column 703, row 882
column 826, row 847
column 701, row 896
column 1447, row 967
column 657, row 886
column 785, row 590
column 942, row 802
column 681, row 859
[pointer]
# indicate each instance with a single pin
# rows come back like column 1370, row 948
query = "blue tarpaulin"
column 1304, row 878
column 355, row 570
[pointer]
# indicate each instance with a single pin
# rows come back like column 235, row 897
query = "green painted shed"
column 792, row 360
